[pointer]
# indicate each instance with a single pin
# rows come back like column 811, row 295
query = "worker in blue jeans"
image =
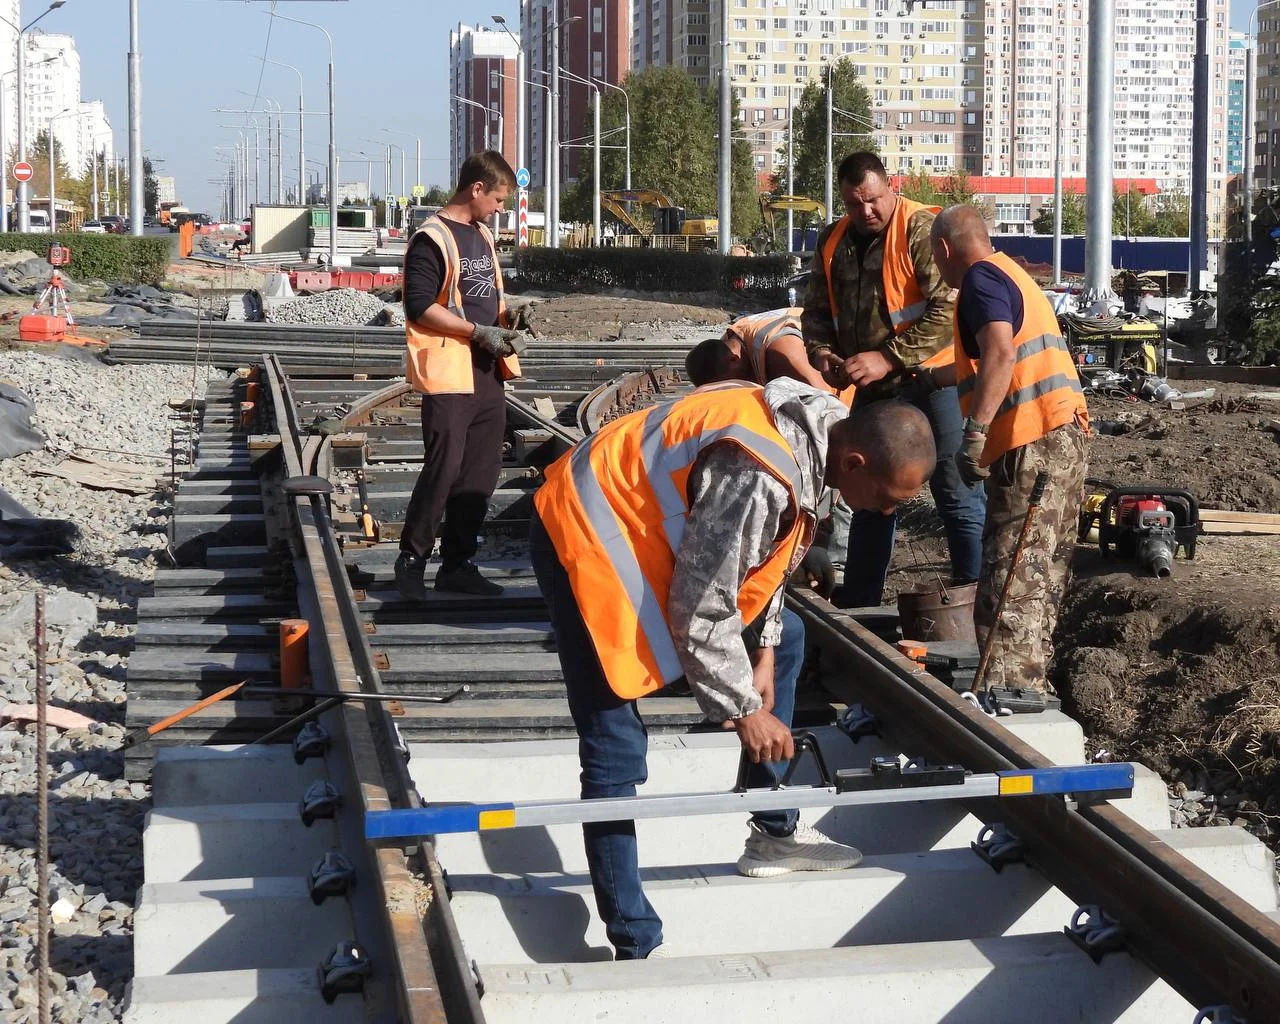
column 961, row 508
column 612, row 745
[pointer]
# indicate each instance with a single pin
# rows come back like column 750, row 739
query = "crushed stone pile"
column 341, row 306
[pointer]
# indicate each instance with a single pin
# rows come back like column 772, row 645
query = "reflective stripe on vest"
column 437, row 364
column 760, row 330
column 1044, row 392
column 615, row 508
column 903, row 299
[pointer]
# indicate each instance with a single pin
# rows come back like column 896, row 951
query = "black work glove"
column 498, row 341
column 816, row 571
column 969, row 456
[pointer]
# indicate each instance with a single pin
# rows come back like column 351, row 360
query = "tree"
column 949, row 189
column 150, row 189
column 1131, row 217
column 437, row 196
column 1172, row 215
column 674, row 149
column 809, row 122
column 1072, row 215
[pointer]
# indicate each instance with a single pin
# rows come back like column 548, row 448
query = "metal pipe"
column 1199, row 256
column 1250, row 84
column 791, row 165
column 1098, row 170
column 726, row 135
column 626, row 101
column 552, row 214
column 23, row 194
column 1057, row 183
column 595, row 167
column 137, row 174
column 829, row 176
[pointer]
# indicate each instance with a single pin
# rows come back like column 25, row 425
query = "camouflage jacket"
column 737, row 513
column 863, row 314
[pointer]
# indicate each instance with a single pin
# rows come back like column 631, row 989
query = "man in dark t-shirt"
column 456, row 345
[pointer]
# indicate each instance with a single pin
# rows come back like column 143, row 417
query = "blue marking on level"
column 427, row 821
column 1085, row 778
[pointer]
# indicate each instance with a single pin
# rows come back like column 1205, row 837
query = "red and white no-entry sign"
column 22, row 171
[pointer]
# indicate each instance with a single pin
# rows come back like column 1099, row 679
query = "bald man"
column 1025, row 413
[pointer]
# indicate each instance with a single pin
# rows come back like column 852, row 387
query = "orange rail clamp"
column 295, row 666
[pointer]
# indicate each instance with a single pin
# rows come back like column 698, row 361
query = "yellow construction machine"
column 668, row 228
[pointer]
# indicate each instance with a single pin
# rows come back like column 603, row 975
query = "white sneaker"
column 806, row 849
column 661, row 952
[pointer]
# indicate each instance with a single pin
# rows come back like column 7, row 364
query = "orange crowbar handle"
column 142, row 735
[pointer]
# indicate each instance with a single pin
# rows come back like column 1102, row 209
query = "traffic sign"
column 419, row 191
column 522, row 218
column 104, row 196
column 390, row 200
column 403, row 200
column 522, row 178
column 22, row 171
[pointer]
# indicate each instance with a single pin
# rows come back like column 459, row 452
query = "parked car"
column 93, row 227
column 114, row 224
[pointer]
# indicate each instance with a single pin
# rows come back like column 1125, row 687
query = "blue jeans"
column 962, row 509
column 612, row 747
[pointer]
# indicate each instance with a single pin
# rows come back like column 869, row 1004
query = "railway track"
column 292, row 510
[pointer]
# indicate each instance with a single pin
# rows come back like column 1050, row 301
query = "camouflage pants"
column 1025, row 632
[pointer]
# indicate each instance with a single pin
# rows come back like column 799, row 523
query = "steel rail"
column 1201, row 938
column 401, row 896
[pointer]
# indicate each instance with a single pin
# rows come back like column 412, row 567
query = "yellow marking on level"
column 498, row 819
column 1015, row 785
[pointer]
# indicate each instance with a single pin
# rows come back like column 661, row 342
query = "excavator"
column 781, row 204
column 668, row 219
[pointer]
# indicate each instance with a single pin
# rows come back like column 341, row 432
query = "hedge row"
column 114, row 258
column 653, row 270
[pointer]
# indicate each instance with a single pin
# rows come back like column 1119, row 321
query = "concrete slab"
column 234, row 924
column 270, row 996
column 923, row 897
column 194, row 843
column 195, row 776
column 682, row 764
column 1000, row 979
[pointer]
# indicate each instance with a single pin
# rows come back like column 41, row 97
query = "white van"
column 39, row 221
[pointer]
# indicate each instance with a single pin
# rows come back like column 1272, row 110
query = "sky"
column 392, row 70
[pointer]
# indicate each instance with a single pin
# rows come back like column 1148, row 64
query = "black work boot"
column 466, row 579
column 409, row 570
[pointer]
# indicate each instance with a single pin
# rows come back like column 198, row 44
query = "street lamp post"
column 417, row 157
column 24, row 205
column 553, row 205
column 626, row 100
column 521, row 111
column 595, row 149
column 137, row 173
column 53, row 171
column 302, row 172
column 333, row 147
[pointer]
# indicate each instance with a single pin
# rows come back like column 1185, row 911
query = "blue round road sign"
column 522, row 178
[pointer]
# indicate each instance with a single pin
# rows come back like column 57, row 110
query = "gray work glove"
column 816, row 571
column 498, row 341
column 968, row 459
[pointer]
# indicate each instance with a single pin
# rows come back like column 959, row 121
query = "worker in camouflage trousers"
column 1025, row 414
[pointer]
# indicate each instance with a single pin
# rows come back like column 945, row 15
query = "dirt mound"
column 1219, row 450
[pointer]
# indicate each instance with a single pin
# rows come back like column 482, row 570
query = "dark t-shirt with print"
column 424, row 271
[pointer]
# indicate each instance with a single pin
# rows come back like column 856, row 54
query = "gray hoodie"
column 737, row 512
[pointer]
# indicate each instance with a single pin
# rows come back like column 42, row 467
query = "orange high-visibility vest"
column 1045, row 391
column 615, row 508
column 760, row 330
column 902, row 294
column 437, row 364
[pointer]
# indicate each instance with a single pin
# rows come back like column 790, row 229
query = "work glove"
column 816, row 571
column 919, row 385
column 969, row 457
column 498, row 341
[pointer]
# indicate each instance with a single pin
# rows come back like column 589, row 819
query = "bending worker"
column 459, row 353
column 1025, row 413
column 876, row 309
column 655, row 541
column 757, row 348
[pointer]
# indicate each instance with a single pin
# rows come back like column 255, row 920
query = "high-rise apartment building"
column 595, row 46
column 1037, row 80
column 52, row 83
column 1237, row 47
column 482, row 69
column 923, row 67
column 94, row 133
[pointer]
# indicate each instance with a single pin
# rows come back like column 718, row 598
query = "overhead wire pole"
column 302, row 159
column 1199, row 256
column 1099, row 154
column 1057, row 182
column 726, row 134
column 626, row 101
column 522, row 157
column 333, row 146
column 791, row 165
column 24, row 194
column 829, row 176
column 137, row 174
column 595, row 149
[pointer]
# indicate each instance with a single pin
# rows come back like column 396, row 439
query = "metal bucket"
column 941, row 613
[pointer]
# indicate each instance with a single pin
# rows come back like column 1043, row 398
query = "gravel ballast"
column 341, row 306
column 96, row 817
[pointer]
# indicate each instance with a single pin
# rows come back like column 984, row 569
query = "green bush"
column 113, row 258
column 762, row 278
